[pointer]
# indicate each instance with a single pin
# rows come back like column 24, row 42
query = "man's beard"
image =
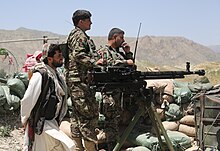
column 57, row 64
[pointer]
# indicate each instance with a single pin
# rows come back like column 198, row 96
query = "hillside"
column 174, row 51
column 155, row 50
column 215, row 48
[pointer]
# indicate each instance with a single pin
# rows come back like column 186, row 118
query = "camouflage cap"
column 79, row 15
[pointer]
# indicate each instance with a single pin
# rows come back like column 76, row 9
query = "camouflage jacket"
column 82, row 55
column 114, row 57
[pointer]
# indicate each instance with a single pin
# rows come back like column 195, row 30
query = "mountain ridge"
column 156, row 50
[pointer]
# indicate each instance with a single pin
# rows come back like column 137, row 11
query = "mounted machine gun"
column 106, row 79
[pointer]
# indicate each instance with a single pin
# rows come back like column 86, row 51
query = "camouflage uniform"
column 113, row 102
column 115, row 57
column 82, row 57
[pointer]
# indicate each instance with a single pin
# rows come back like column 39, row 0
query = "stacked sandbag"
column 6, row 105
column 183, row 97
column 171, row 125
column 163, row 90
column 184, row 125
column 23, row 76
column 16, row 87
column 182, row 93
column 11, row 92
column 12, row 101
column 179, row 141
column 173, row 112
column 187, row 125
column 177, row 115
column 200, row 83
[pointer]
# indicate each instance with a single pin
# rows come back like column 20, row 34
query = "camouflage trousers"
column 84, row 120
column 111, row 111
column 118, row 108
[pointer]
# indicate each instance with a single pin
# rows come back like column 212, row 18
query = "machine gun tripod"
column 132, row 81
column 147, row 93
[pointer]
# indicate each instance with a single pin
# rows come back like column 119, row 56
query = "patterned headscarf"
column 45, row 49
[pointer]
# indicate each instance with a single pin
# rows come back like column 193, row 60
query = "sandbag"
column 188, row 120
column 163, row 90
column 23, row 76
column 164, row 85
column 200, row 86
column 172, row 126
column 2, row 96
column 182, row 95
column 178, row 139
column 7, row 93
column 200, row 83
column 179, row 84
column 173, row 112
column 15, row 102
column 16, row 87
column 12, row 104
column 201, row 79
column 188, row 130
column 6, row 107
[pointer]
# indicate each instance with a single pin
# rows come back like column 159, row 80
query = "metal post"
column 45, row 39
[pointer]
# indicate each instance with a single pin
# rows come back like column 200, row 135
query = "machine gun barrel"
column 169, row 74
column 122, row 77
column 115, row 74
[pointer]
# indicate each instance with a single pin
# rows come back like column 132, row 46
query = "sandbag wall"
column 11, row 92
column 175, row 104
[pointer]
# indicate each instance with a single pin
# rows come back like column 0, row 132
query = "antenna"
column 135, row 49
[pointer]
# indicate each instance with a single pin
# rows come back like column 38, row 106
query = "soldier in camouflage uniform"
column 112, row 52
column 82, row 57
column 115, row 53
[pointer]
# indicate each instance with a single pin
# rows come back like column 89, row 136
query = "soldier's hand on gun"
column 101, row 61
column 130, row 62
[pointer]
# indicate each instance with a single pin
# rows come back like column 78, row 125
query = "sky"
column 197, row 20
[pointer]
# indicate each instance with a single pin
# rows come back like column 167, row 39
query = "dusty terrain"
column 11, row 134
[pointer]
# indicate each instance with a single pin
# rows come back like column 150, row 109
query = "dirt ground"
column 11, row 134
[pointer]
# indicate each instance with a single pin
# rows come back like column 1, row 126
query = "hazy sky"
column 197, row 20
